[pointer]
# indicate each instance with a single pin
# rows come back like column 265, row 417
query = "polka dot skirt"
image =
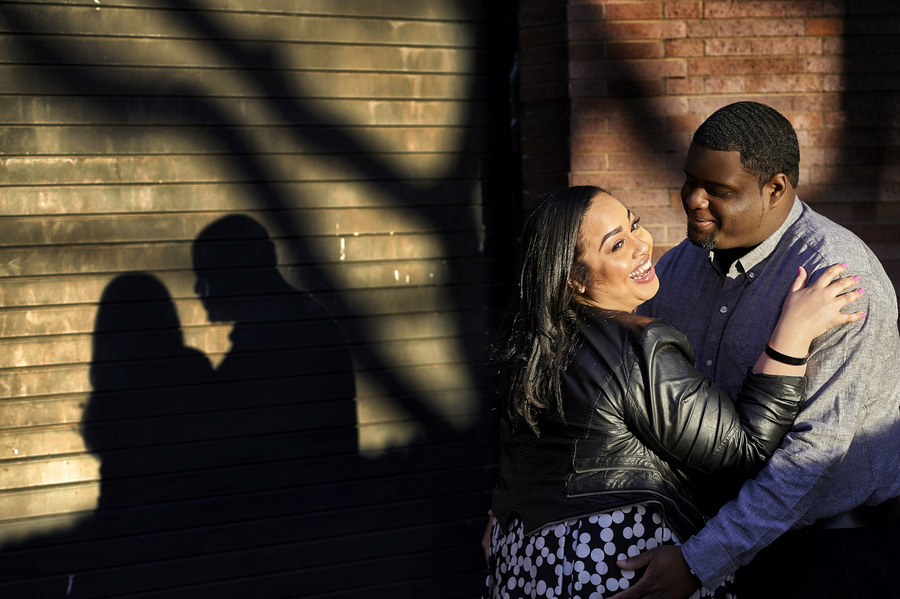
column 577, row 559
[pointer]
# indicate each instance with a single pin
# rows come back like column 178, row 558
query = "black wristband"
column 780, row 357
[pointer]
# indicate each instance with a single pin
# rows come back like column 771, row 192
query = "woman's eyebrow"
column 615, row 231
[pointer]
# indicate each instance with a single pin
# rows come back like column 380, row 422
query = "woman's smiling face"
column 616, row 251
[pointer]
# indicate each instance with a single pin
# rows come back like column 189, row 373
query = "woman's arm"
column 687, row 419
column 807, row 312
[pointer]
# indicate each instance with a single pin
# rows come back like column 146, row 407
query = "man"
column 823, row 515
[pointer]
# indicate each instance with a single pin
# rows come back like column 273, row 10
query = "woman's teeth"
column 641, row 271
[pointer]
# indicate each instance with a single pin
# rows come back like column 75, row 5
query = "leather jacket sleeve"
column 685, row 418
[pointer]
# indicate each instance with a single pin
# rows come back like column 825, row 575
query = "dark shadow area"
column 243, row 480
column 868, row 158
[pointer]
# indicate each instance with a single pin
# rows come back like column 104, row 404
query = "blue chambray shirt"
column 844, row 448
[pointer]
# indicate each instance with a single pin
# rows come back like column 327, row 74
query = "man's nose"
column 696, row 199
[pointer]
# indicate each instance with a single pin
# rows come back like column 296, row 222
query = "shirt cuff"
column 708, row 560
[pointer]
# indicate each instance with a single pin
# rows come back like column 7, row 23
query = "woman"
column 611, row 441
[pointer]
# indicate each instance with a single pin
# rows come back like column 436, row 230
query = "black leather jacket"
column 641, row 424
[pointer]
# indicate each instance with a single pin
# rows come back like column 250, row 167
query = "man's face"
column 725, row 207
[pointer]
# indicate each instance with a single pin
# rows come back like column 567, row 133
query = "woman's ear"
column 576, row 286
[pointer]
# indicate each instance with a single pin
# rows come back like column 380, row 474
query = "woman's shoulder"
column 631, row 328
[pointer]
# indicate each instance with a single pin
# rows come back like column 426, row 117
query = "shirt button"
column 723, row 309
column 751, row 275
column 709, row 362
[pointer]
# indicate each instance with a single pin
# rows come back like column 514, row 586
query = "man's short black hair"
column 765, row 139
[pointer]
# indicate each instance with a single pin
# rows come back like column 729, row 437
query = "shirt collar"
column 752, row 258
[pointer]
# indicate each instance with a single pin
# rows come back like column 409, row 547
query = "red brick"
column 627, row 30
column 588, row 88
column 633, row 11
column 707, row 106
column 726, row 85
column 767, row 8
column 589, row 162
column 617, row 143
column 648, row 197
column 833, row 45
column 636, row 68
column 834, row 120
column 684, row 10
column 824, row 64
column 635, row 161
column 811, row 156
column 637, row 124
column 684, row 48
column 784, row 83
column 804, row 120
column 746, row 28
column 744, row 66
column 687, row 123
column 584, row 12
column 763, row 47
column 643, row 179
column 833, row 83
column 834, row 8
column 679, row 86
column 825, row 138
column 631, row 88
column 671, row 214
column 545, row 163
column 612, row 107
column 824, row 27
column 636, row 49
column 534, row 185
column 817, row 102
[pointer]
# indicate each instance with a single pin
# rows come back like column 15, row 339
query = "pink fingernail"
column 860, row 290
column 856, row 277
column 844, row 264
column 863, row 315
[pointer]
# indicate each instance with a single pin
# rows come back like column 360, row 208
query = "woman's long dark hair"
column 539, row 332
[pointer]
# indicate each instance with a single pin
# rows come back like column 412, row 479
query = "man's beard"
column 707, row 243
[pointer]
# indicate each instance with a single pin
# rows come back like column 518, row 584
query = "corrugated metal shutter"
column 249, row 259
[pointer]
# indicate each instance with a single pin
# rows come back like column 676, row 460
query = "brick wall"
column 643, row 75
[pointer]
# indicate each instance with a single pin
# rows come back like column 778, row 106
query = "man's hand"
column 667, row 577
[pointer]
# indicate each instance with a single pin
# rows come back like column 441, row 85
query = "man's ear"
column 778, row 189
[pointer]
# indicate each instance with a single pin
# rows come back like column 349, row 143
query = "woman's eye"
column 636, row 225
column 617, row 246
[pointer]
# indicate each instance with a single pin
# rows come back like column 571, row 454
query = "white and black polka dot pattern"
column 577, row 559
